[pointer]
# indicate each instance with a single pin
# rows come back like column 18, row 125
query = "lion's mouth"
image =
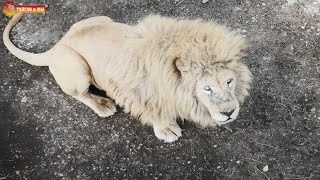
column 225, row 121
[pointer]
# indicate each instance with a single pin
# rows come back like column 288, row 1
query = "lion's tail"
column 31, row 58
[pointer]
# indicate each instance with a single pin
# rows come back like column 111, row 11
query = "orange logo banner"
column 10, row 9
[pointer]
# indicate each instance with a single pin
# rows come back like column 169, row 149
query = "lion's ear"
column 181, row 65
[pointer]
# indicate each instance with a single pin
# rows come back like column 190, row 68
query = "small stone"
column 24, row 99
column 204, row 1
column 265, row 168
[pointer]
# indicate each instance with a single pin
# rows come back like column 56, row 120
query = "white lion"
column 158, row 70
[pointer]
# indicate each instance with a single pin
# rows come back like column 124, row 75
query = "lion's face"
column 210, row 71
column 216, row 91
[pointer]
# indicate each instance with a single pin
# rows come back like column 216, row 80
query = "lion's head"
column 211, row 69
column 201, row 76
column 216, row 91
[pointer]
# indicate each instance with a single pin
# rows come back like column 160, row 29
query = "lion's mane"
column 155, row 78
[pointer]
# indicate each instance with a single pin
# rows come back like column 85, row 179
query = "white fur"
column 156, row 70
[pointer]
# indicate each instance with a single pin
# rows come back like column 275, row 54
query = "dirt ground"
column 45, row 134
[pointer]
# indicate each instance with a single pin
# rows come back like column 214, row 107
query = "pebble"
column 265, row 168
column 24, row 99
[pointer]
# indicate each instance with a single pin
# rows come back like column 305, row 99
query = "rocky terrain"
column 46, row 134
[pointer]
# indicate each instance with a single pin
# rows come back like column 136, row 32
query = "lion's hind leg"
column 104, row 107
column 73, row 75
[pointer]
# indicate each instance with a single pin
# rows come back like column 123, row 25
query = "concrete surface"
column 45, row 134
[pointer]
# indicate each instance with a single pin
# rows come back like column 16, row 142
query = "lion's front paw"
column 168, row 134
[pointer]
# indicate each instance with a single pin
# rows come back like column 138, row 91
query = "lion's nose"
column 227, row 113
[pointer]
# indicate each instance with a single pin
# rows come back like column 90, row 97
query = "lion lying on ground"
column 158, row 70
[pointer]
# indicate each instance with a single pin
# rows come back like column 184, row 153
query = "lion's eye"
column 229, row 81
column 207, row 88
